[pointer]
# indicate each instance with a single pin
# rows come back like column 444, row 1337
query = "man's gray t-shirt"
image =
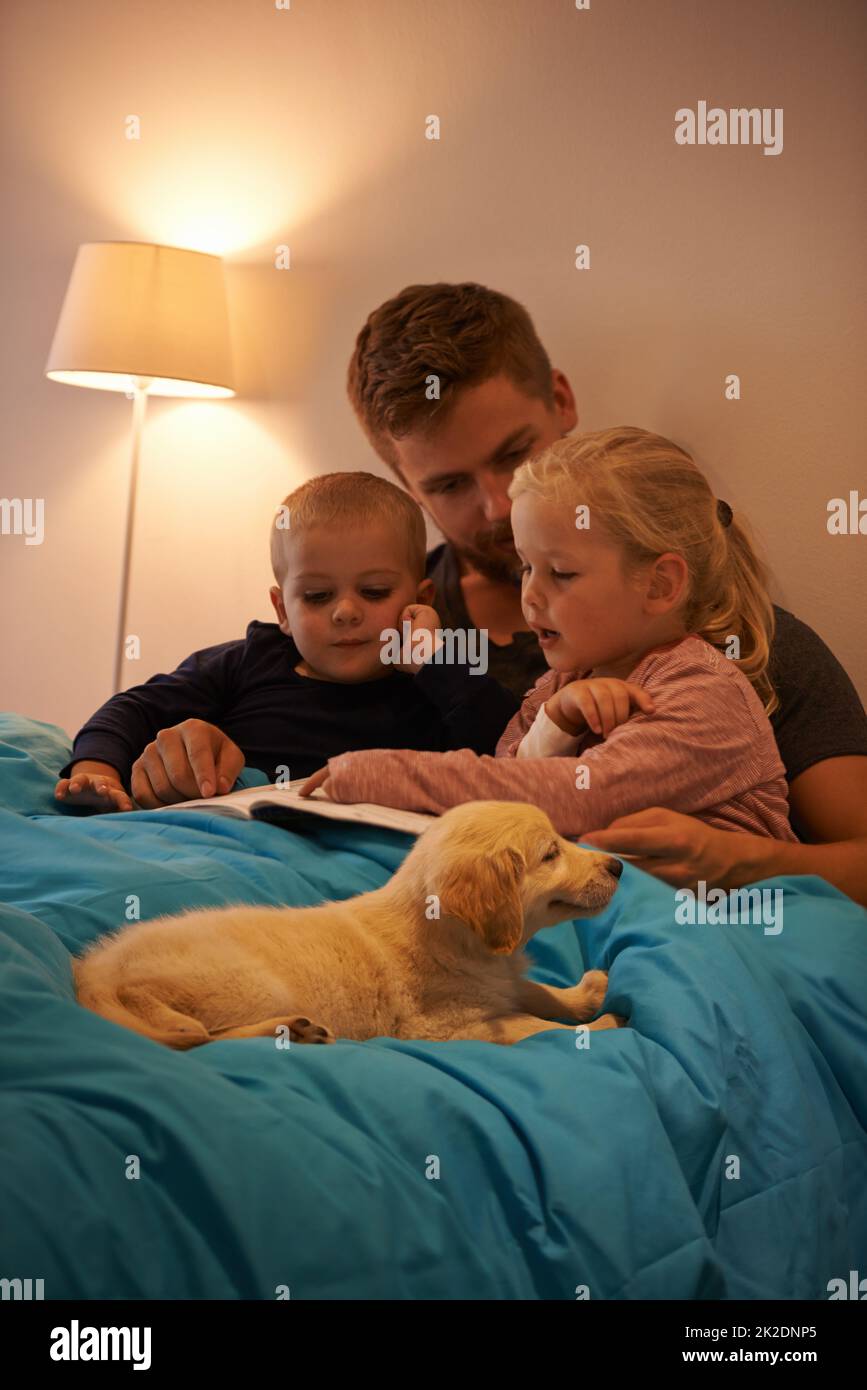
column 820, row 715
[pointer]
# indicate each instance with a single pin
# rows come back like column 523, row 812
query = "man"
column 454, row 390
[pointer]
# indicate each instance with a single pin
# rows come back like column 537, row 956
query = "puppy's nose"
column 614, row 867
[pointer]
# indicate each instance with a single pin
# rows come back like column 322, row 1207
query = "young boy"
column 348, row 554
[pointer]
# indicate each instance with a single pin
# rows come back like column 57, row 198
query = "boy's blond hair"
column 355, row 499
column 649, row 496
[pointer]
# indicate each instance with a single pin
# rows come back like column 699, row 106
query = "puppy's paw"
column 585, row 998
column 609, row 1021
column 302, row 1030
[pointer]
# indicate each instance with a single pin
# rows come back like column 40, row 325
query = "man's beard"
column 491, row 558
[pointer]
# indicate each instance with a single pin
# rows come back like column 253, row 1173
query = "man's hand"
column 318, row 779
column 93, row 784
column 600, row 704
column 422, row 618
column 192, row 759
column 676, row 848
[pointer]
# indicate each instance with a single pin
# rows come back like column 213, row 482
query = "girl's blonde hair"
column 649, row 497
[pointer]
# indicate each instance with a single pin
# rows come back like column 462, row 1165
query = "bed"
column 715, row 1149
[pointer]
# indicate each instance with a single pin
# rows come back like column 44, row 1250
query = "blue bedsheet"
column 390, row 1169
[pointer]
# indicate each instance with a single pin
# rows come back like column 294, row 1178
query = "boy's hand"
column 600, row 704
column 93, row 784
column 192, row 759
column 422, row 618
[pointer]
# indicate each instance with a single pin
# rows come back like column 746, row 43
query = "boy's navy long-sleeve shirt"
column 251, row 691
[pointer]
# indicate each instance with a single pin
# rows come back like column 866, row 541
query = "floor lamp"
column 149, row 321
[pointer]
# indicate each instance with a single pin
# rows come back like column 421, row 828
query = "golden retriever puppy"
column 436, row 953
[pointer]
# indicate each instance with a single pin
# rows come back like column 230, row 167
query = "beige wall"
column 307, row 127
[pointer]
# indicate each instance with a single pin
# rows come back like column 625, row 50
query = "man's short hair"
column 461, row 334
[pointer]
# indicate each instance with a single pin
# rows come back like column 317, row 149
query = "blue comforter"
column 714, row 1149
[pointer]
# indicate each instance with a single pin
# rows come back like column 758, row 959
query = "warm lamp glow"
column 137, row 314
column 151, row 321
column 158, row 386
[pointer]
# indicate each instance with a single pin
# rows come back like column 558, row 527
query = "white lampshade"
column 134, row 310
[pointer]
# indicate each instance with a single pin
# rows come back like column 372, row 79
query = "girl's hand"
column 422, row 618
column 600, row 704
column 319, row 779
column 101, row 790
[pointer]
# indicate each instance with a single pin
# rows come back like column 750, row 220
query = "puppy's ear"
column 485, row 892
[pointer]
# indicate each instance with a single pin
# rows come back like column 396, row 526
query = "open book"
column 281, row 804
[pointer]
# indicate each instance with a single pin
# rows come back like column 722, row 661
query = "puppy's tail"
column 136, row 1007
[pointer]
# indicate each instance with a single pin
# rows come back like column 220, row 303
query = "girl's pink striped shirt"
column 707, row 751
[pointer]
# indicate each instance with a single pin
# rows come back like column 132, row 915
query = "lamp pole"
column 142, row 384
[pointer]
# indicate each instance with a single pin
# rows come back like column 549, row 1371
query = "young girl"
column 652, row 610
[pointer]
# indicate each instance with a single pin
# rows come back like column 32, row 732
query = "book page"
column 285, row 795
